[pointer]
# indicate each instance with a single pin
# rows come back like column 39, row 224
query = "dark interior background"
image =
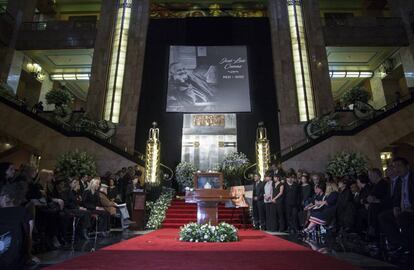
column 251, row 32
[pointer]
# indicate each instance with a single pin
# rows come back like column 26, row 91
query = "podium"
column 138, row 209
column 207, row 201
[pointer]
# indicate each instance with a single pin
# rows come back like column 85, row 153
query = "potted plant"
column 347, row 164
column 184, row 174
column 354, row 95
column 76, row 164
column 59, row 97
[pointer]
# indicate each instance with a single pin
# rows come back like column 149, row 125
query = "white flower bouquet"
column 158, row 209
column 223, row 232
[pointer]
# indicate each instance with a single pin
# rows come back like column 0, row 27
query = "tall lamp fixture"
column 152, row 157
column 301, row 61
column 262, row 150
column 117, row 67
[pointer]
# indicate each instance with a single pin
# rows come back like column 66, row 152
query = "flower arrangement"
column 59, row 97
column 354, row 95
column 233, row 167
column 158, row 209
column 223, row 232
column 76, row 164
column 347, row 164
column 184, row 174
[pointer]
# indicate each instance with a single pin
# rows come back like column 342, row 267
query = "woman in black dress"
column 278, row 201
column 92, row 202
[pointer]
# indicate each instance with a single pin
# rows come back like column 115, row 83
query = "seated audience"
column 14, row 227
column 92, row 202
column 323, row 210
column 7, row 172
column 73, row 209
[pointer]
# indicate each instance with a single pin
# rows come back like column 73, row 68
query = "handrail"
column 59, row 25
column 350, row 127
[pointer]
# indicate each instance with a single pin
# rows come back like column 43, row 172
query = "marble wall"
column 50, row 144
column 370, row 142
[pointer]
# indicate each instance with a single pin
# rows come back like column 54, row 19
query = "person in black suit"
column 291, row 202
column 256, row 219
column 259, row 187
column 278, row 200
column 378, row 200
column 397, row 223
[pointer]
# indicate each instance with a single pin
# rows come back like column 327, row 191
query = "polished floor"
column 350, row 249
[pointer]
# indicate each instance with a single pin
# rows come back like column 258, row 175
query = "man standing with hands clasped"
column 398, row 223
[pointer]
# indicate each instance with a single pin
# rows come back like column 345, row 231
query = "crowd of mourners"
column 377, row 207
column 42, row 210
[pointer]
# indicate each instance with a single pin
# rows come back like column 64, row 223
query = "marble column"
column 101, row 60
column 324, row 101
column 21, row 11
column 290, row 129
column 405, row 10
column 378, row 95
column 133, row 75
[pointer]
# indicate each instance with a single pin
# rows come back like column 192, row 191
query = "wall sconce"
column 262, row 150
column 36, row 70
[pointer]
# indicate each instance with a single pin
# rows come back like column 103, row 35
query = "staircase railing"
column 65, row 128
column 345, row 129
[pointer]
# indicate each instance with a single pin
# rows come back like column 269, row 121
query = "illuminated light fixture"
column 301, row 61
column 386, row 157
column 70, row 77
column 36, row 70
column 262, row 150
column 351, row 74
column 152, row 157
column 118, row 58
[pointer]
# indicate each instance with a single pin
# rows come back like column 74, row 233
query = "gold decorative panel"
column 209, row 120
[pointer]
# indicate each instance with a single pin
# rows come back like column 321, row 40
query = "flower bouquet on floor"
column 223, row 232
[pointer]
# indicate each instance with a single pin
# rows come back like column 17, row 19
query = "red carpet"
column 180, row 213
column 161, row 250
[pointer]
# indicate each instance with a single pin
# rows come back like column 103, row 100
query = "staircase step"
column 180, row 213
column 188, row 220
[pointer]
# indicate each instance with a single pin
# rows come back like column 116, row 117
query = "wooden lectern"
column 138, row 209
column 207, row 199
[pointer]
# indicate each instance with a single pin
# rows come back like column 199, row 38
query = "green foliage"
column 233, row 167
column 355, row 94
column 158, row 209
column 184, row 174
column 347, row 164
column 76, row 164
column 59, row 97
column 194, row 232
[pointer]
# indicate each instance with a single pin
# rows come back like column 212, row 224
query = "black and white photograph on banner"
column 208, row 79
